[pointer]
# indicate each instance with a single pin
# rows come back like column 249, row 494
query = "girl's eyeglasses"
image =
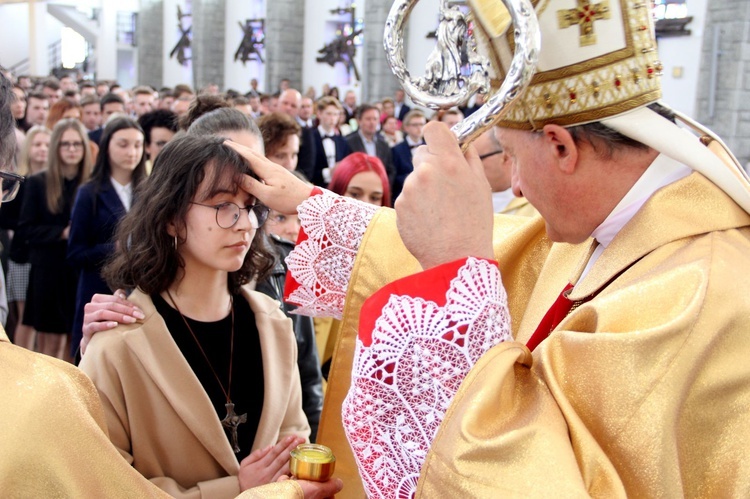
column 227, row 214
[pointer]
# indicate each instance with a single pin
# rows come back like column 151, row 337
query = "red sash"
column 554, row 316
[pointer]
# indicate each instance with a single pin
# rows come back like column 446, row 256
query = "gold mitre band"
column 598, row 59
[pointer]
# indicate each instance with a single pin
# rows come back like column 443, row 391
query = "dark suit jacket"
column 468, row 111
column 349, row 115
column 402, row 112
column 403, row 166
column 96, row 135
column 382, row 151
column 321, row 162
column 306, row 157
column 91, row 241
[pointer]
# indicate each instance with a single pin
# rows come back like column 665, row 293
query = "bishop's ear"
column 562, row 146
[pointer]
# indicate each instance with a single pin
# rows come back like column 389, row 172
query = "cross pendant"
column 231, row 421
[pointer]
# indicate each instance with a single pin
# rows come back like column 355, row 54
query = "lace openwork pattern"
column 323, row 263
column 403, row 383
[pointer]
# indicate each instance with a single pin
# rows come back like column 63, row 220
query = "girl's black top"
column 247, row 377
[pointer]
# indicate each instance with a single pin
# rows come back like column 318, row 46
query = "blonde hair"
column 54, row 164
column 327, row 101
column 24, row 165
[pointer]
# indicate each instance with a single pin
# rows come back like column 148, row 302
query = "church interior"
column 704, row 47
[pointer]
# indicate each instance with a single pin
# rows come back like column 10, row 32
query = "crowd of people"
column 82, row 189
column 87, row 145
column 87, row 148
column 86, row 151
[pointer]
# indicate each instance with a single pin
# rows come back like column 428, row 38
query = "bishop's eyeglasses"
column 11, row 183
column 227, row 214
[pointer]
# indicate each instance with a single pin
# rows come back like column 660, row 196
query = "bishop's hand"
column 277, row 188
column 444, row 212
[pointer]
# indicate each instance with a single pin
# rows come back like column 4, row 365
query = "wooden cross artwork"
column 252, row 42
column 183, row 48
column 584, row 16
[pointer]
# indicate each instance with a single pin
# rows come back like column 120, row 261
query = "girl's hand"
column 267, row 465
column 277, row 188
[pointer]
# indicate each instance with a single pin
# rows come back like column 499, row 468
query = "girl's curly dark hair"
column 146, row 257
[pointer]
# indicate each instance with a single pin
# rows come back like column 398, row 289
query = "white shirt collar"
column 411, row 142
column 124, row 192
column 500, row 200
column 365, row 139
column 662, row 172
column 323, row 133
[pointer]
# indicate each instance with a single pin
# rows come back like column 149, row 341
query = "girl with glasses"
column 101, row 203
column 231, row 123
column 235, row 126
column 45, row 222
column 203, row 395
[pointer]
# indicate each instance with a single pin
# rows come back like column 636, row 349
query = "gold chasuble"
column 53, row 434
column 519, row 207
column 641, row 391
column 54, row 441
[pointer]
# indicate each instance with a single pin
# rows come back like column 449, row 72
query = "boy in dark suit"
column 330, row 146
column 367, row 139
column 414, row 121
column 400, row 107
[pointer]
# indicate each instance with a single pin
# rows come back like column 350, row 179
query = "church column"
column 209, row 27
column 106, row 43
column 285, row 31
column 38, row 49
column 378, row 80
column 724, row 87
column 150, row 42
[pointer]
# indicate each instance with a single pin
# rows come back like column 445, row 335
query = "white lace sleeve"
column 403, row 383
column 322, row 264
